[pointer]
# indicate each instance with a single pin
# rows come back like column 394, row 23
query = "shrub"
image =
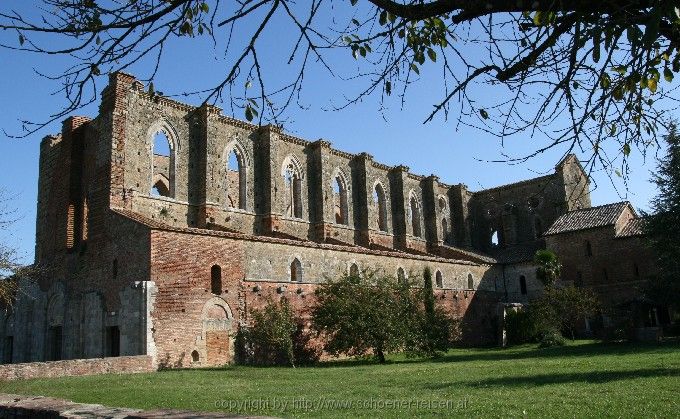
column 275, row 337
column 551, row 338
column 520, row 326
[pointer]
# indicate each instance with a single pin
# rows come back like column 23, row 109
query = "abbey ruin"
column 162, row 253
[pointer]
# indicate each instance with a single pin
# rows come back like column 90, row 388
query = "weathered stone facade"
column 164, row 254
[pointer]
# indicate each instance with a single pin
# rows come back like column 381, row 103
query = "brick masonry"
column 77, row 367
column 128, row 272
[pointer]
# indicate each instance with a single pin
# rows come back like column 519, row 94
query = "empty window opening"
column 471, row 282
column 495, row 238
column 589, row 248
column 354, row 271
column 636, row 269
column 381, row 205
column 538, row 227
column 195, row 357
column 163, row 162
column 605, row 274
column 114, row 269
column 216, row 279
column 236, row 180
column 442, row 204
column 340, row 206
column 523, row 285
column 401, row 276
column 439, row 281
column 54, row 340
column 112, row 341
column 445, row 230
column 296, row 271
column 415, row 217
column 293, row 191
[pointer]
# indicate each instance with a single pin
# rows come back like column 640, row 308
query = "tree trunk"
column 381, row 356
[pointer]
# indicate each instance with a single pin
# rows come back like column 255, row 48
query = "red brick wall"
column 76, row 367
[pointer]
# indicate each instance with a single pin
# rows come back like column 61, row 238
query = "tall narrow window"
column 605, row 275
column 163, row 171
column 114, row 269
column 401, row 276
column 589, row 249
column 495, row 238
column 296, row 271
column 471, row 282
column 216, row 279
column 293, row 183
column 523, row 285
column 636, row 270
column 415, row 216
column 340, row 206
column 381, row 206
column 354, row 270
column 439, row 281
column 236, row 180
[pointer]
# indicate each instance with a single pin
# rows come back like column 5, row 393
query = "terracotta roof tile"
column 586, row 218
column 634, row 227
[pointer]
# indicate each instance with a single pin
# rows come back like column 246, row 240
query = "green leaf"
column 95, row 69
column 355, row 22
column 432, row 54
column 383, row 18
column 249, row 84
column 249, row 113
column 652, row 85
column 605, row 81
column 626, row 149
column 388, row 87
column 668, row 74
column 618, row 173
column 205, row 7
column 21, row 39
column 415, row 69
column 151, row 89
column 353, row 2
column 484, row 114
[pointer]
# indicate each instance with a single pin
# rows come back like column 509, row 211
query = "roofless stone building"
column 161, row 224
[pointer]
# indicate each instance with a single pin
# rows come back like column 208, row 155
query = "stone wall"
column 77, row 367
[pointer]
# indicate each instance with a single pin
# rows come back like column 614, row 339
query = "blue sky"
column 457, row 154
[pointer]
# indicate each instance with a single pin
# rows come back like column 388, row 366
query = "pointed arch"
column 296, row 270
column 237, row 169
column 439, row 280
column 470, row 282
column 216, row 279
column 401, row 276
column 340, row 198
column 414, row 211
column 354, row 270
column 163, row 146
column 293, row 176
column 380, row 203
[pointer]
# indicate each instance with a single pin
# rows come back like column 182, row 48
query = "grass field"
column 583, row 379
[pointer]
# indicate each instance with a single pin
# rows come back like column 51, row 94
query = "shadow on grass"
column 596, row 377
column 489, row 354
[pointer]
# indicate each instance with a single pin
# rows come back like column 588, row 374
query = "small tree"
column 562, row 309
column 549, row 267
column 435, row 323
column 269, row 340
column 358, row 314
column 663, row 228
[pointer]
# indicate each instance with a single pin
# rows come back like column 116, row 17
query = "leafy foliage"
column 563, row 309
column 591, row 76
column 377, row 314
column 270, row 339
column 11, row 268
column 549, row 267
column 663, row 228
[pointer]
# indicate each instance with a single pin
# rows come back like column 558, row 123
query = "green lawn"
column 581, row 379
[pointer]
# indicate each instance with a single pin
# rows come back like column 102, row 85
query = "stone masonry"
column 163, row 252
